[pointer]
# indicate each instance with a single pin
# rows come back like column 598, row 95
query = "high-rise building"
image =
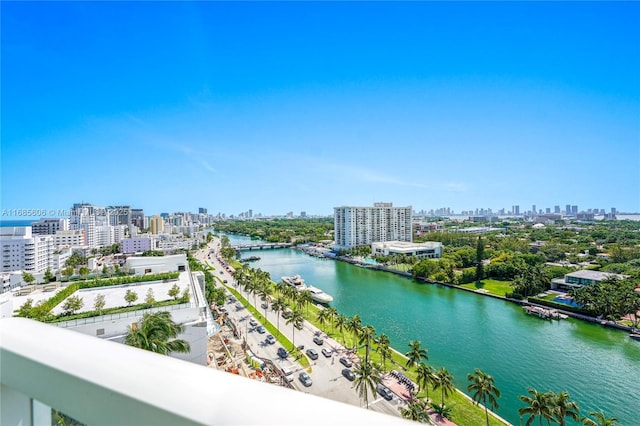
column 84, row 217
column 119, row 215
column 49, row 226
column 567, row 209
column 574, row 210
column 137, row 218
column 22, row 251
column 556, row 209
column 202, row 210
column 360, row 226
column 533, row 210
column 156, row 223
column 516, row 210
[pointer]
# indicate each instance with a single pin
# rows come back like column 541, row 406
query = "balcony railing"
column 100, row 382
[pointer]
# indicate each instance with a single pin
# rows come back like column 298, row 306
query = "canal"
column 462, row 331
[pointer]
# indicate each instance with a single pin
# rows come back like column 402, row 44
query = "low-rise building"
column 428, row 249
column 135, row 244
column 581, row 278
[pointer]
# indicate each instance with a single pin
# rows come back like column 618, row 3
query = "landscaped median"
column 281, row 338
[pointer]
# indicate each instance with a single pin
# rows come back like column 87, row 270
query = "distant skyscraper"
column 613, row 210
column 556, row 209
column 156, row 224
column 574, row 210
column 533, row 209
column 548, row 210
column 202, row 210
column 516, row 210
column 567, row 209
column 137, row 218
column 360, row 226
column 303, row 214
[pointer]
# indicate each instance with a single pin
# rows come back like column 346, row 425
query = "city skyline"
column 280, row 107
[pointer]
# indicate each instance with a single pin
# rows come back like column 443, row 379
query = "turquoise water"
column 599, row 367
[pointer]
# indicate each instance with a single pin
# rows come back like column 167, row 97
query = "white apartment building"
column 22, row 251
column 107, row 235
column 135, row 244
column 83, row 218
column 49, row 226
column 361, row 226
column 69, row 238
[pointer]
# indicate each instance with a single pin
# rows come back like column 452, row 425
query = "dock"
column 544, row 313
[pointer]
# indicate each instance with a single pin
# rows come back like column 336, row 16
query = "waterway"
column 599, row 367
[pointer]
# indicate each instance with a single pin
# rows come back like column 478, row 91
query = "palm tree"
column 538, row 405
column 483, row 390
column 366, row 380
column 562, row 407
column 304, row 298
column 366, row 335
column 296, row 320
column 155, row 333
column 323, row 316
column 383, row 348
column 444, row 381
column 354, row 324
column 332, row 315
column 264, row 292
column 425, row 376
column 278, row 305
column 416, row 353
column 341, row 322
column 600, row 419
column 416, row 411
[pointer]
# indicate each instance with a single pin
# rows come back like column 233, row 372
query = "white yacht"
column 316, row 294
column 319, row 295
column 295, row 281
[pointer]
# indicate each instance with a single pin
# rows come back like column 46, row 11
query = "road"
column 326, row 374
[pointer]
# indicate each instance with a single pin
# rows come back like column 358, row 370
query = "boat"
column 319, row 295
column 298, row 283
column 635, row 336
column 544, row 313
column 295, row 281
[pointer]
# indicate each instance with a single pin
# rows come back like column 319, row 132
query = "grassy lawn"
column 499, row 288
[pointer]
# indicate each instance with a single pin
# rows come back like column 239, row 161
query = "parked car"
column 350, row 375
column 239, row 306
column 253, row 322
column 318, row 341
column 270, row 339
column 305, row 379
column 264, row 305
column 385, row 392
column 346, row 361
column 312, row 353
column 282, row 352
column 261, row 330
column 327, row 352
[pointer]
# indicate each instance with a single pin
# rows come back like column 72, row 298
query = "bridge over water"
column 261, row 246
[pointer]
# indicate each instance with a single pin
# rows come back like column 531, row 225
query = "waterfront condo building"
column 361, row 226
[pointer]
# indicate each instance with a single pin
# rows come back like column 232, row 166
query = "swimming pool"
column 566, row 301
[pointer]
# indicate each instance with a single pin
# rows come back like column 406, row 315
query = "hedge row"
column 129, row 280
column 41, row 311
column 115, row 310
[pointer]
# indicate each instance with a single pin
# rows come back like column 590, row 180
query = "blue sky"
column 280, row 107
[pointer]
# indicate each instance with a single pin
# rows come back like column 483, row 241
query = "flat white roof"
column 593, row 275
